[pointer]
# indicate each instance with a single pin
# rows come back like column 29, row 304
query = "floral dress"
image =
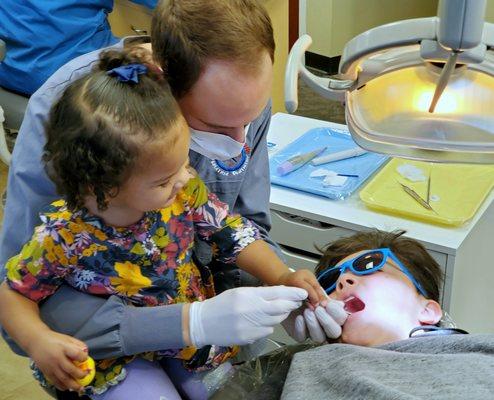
column 149, row 263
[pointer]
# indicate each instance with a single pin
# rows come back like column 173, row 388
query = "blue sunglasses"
column 364, row 264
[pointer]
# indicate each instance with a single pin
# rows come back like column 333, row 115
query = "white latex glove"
column 242, row 315
column 318, row 325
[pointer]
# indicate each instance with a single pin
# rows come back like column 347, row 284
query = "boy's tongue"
column 353, row 305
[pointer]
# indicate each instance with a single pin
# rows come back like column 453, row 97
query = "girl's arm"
column 19, row 316
column 237, row 240
column 261, row 261
column 52, row 352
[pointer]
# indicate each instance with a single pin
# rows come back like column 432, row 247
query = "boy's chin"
column 361, row 330
column 354, row 338
column 360, row 336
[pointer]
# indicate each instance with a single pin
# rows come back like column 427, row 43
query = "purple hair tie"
column 128, row 73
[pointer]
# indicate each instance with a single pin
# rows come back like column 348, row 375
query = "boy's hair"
column 98, row 127
column 410, row 252
column 188, row 33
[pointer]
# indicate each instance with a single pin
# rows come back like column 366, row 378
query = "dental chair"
column 14, row 106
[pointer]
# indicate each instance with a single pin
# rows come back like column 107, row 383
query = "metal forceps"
column 414, row 195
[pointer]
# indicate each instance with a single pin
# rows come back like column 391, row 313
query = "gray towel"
column 436, row 367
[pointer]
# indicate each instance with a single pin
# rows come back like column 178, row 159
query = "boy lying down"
column 393, row 343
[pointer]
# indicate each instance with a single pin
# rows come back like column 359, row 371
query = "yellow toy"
column 87, row 365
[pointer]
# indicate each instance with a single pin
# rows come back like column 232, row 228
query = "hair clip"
column 128, row 73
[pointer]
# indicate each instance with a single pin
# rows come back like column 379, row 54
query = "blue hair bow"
column 128, row 73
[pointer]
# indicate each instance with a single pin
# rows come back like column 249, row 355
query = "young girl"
column 117, row 150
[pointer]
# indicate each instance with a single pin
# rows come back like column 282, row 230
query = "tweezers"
column 429, row 188
column 416, row 197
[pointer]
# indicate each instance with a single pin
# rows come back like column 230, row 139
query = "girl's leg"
column 145, row 380
column 196, row 385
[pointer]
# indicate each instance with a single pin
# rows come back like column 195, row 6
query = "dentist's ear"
column 431, row 312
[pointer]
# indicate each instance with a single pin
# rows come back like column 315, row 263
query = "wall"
column 332, row 23
column 126, row 14
column 278, row 11
column 489, row 12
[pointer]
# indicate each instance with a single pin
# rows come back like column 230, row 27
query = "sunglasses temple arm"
column 408, row 274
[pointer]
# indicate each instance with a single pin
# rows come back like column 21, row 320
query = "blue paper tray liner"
column 336, row 140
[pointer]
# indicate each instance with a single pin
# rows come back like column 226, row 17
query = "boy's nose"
column 346, row 281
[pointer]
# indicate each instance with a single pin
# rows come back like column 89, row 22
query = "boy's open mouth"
column 353, row 305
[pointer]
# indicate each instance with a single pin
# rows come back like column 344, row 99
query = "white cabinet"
column 300, row 221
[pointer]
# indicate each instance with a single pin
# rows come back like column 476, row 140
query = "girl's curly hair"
column 97, row 127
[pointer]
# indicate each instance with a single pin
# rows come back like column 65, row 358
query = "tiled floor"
column 314, row 106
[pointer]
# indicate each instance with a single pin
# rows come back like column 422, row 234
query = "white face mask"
column 215, row 145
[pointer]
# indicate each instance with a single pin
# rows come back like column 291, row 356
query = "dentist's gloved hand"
column 319, row 324
column 241, row 315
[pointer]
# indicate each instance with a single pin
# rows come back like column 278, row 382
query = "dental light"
column 420, row 88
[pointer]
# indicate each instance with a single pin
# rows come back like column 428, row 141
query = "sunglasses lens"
column 368, row 261
column 327, row 279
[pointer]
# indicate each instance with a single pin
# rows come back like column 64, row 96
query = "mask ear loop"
column 237, row 166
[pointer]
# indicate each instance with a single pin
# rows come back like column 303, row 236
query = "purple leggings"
column 147, row 380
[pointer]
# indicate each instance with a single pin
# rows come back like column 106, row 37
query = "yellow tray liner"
column 461, row 189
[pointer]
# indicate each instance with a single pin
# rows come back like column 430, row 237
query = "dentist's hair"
column 410, row 252
column 188, row 33
column 100, row 126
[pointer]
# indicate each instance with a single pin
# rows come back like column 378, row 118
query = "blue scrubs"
column 43, row 35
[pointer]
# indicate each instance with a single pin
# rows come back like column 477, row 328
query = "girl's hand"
column 54, row 354
column 305, row 279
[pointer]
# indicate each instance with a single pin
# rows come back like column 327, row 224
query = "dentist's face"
column 226, row 97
